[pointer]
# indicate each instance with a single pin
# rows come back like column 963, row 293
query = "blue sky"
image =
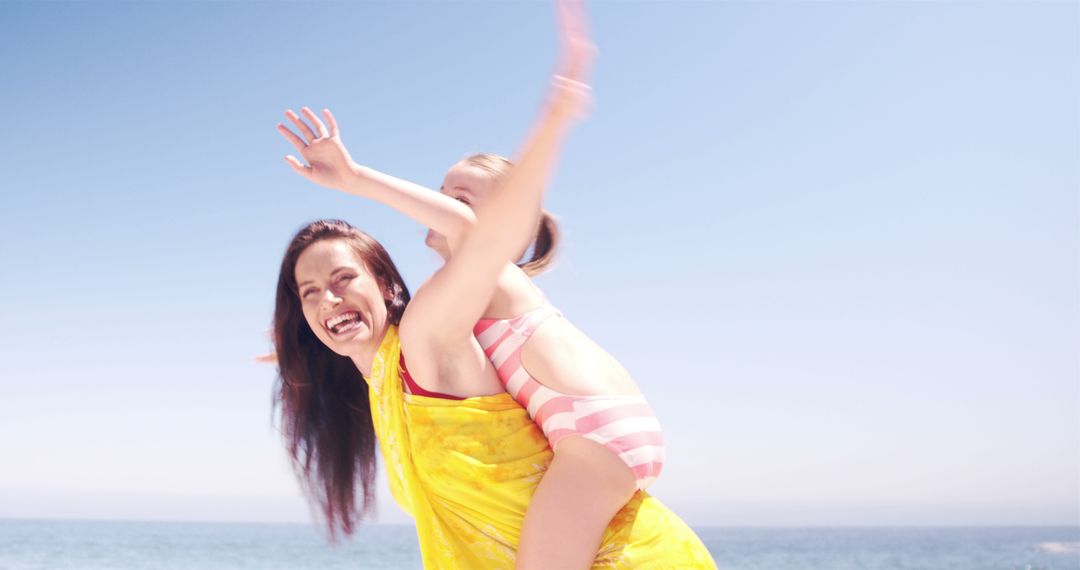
column 835, row 242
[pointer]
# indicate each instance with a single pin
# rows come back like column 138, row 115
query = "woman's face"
column 342, row 301
column 466, row 184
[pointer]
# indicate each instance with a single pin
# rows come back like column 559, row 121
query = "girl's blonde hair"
column 547, row 233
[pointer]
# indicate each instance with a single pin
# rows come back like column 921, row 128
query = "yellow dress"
column 466, row 470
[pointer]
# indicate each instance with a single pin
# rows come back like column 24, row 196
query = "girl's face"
column 466, row 184
column 342, row 301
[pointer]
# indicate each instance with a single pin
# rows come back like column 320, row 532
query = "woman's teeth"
column 344, row 322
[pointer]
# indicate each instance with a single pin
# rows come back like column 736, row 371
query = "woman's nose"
column 331, row 298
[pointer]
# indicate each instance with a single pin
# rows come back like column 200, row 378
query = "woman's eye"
column 345, row 278
column 462, row 200
column 307, row 293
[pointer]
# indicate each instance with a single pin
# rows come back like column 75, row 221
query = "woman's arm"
column 443, row 312
column 508, row 213
column 584, row 486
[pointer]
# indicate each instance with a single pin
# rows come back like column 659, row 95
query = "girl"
column 462, row 457
column 606, row 440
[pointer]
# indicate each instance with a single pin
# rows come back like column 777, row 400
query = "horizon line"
column 397, row 524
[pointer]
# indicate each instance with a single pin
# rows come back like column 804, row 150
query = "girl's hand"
column 328, row 161
column 269, row 357
column 571, row 93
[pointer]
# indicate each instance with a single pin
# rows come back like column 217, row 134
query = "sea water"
column 112, row 545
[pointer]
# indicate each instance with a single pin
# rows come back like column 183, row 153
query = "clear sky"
column 835, row 242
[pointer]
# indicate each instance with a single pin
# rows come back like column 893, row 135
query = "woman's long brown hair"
column 321, row 396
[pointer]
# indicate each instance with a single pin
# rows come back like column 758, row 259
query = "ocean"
column 113, row 545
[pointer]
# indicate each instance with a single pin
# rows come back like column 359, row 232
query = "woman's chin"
column 352, row 342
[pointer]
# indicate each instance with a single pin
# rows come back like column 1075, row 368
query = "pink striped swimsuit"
column 625, row 424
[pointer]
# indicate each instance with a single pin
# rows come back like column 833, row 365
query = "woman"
column 465, row 468
column 571, row 388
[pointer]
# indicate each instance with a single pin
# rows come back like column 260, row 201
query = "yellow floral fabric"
column 466, row 471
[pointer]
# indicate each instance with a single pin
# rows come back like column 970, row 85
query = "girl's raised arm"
column 329, row 164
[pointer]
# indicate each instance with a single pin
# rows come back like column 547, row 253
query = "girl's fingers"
column 314, row 120
column 298, row 166
column 291, row 137
column 308, row 134
column 330, row 120
column 268, row 358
